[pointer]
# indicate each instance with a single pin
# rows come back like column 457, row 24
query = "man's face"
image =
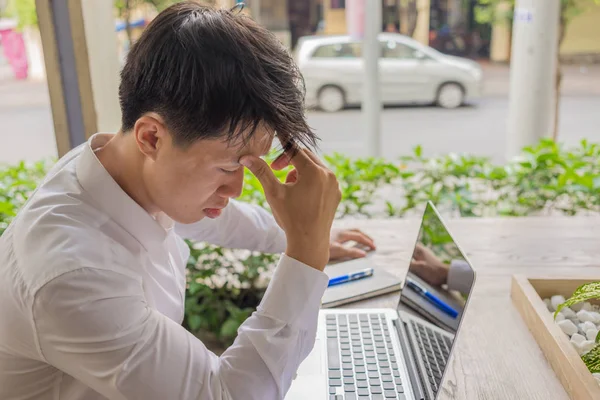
column 197, row 181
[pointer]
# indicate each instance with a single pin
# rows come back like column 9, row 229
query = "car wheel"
column 450, row 95
column 331, row 99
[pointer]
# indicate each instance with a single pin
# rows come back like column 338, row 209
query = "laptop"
column 401, row 353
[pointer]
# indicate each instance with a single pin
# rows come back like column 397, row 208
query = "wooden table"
column 496, row 357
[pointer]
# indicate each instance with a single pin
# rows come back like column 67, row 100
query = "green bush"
column 226, row 285
column 16, row 184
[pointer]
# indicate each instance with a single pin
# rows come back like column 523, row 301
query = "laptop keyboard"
column 435, row 351
column 361, row 360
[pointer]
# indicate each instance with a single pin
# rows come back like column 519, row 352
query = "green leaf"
column 194, row 322
column 584, row 292
column 598, row 337
column 418, row 151
column 23, row 11
column 229, row 328
column 591, row 359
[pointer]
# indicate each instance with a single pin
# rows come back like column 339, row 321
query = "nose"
column 233, row 186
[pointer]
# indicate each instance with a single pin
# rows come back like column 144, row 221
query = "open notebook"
column 380, row 283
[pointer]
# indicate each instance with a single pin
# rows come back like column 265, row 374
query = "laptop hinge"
column 410, row 360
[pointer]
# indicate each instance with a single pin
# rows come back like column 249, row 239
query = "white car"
column 410, row 73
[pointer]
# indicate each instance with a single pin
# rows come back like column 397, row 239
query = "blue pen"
column 439, row 303
column 365, row 273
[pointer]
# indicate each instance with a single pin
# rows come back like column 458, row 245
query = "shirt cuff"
column 460, row 276
column 294, row 293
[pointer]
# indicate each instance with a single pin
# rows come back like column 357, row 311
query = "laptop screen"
column 439, row 279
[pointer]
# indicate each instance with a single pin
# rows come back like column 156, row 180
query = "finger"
column 262, row 171
column 341, row 252
column 302, row 161
column 315, row 158
column 358, row 230
column 281, row 162
column 358, row 237
column 292, row 176
column 417, row 264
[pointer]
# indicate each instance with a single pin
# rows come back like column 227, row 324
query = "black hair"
column 214, row 73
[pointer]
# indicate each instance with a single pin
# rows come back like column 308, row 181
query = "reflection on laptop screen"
column 439, row 279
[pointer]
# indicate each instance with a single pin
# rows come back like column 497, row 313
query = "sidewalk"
column 577, row 81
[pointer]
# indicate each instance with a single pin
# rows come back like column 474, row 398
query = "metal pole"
column 371, row 101
column 256, row 10
column 532, row 73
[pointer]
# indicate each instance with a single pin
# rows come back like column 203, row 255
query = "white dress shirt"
column 92, row 299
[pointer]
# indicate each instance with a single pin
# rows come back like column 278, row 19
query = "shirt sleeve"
column 460, row 276
column 240, row 226
column 96, row 326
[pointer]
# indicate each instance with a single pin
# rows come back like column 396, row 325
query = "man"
column 92, row 270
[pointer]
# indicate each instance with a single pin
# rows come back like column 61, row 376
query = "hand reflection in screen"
column 426, row 265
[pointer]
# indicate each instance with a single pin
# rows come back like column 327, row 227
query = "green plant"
column 360, row 179
column 16, row 185
column 224, row 286
column 454, row 182
column 23, row 11
column 124, row 8
column 585, row 292
column 592, row 360
column 545, row 179
column 436, row 237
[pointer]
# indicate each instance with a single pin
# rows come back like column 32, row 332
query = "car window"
column 338, row 50
column 393, row 49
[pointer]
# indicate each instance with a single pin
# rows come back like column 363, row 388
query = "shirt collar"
column 117, row 204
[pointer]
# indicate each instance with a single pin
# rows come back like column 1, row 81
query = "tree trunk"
column 561, row 35
column 299, row 20
column 412, row 15
column 126, row 18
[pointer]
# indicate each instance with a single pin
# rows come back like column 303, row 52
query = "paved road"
column 26, row 130
column 479, row 129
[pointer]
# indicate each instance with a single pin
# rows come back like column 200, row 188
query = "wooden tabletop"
column 496, row 357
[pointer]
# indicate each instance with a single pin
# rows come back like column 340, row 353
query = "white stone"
column 584, row 316
column 567, row 327
column 548, row 305
column 577, row 339
column 591, row 334
column 596, row 375
column 568, row 313
column 559, row 317
column 577, row 348
column 577, row 307
column 556, row 301
column 587, row 306
column 585, row 326
column 587, row 346
column 596, row 317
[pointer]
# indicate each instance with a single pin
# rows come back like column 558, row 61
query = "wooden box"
column 527, row 295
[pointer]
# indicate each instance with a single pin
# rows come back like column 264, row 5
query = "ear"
column 150, row 134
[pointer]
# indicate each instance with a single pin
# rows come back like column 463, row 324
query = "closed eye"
column 227, row 171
